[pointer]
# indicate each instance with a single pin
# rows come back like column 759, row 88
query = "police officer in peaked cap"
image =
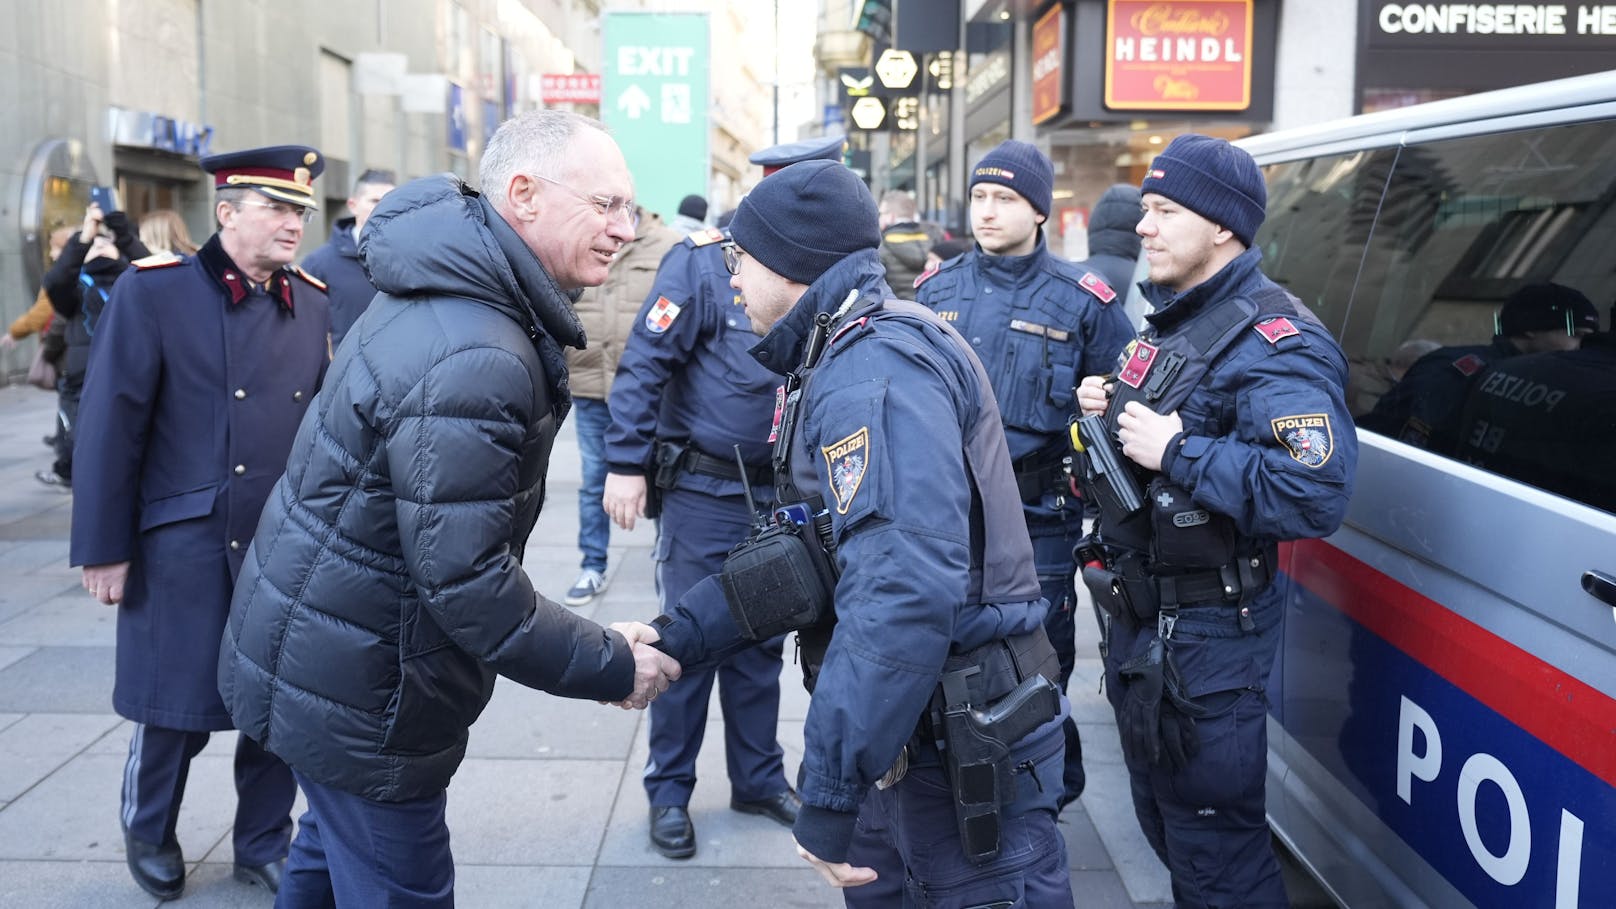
column 202, row 368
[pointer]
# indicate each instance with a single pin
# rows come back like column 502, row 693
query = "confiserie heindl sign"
column 1187, row 55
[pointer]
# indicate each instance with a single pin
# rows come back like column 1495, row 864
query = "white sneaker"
column 590, row 584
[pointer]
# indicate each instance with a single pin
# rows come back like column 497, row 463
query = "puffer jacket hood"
column 1112, row 221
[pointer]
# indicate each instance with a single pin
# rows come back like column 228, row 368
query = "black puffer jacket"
column 1113, row 245
column 383, row 591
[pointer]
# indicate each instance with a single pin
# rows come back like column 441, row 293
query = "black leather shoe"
column 159, row 870
column 781, row 808
column 265, row 876
column 672, row 834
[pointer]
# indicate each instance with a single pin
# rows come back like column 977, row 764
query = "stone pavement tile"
column 25, row 556
column 1101, row 890
column 1109, row 804
column 71, row 885
column 9, row 655
column 213, row 885
column 70, row 620
column 723, row 837
column 520, row 887
column 523, row 723
column 1100, row 743
column 510, row 812
column 36, row 745
column 1084, row 850
column 116, row 741
column 36, row 514
column 73, row 813
column 21, row 593
column 59, row 680
column 711, row 888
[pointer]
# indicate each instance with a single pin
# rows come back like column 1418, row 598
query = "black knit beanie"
column 1213, row 179
column 804, row 218
column 1023, row 168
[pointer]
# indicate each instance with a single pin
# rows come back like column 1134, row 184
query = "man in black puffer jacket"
column 383, row 591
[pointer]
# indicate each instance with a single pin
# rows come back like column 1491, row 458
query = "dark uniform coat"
column 195, row 389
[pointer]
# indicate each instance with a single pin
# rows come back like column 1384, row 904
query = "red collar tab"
column 847, row 328
column 1274, row 329
column 1091, row 282
column 236, row 284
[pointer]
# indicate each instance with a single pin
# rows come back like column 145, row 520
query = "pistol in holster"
column 976, row 749
column 667, row 459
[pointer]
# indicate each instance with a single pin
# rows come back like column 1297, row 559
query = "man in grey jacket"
column 384, row 589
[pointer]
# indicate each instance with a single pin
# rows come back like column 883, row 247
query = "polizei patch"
column 845, row 462
column 1306, row 436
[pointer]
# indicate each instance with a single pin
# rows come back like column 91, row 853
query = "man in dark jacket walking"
column 384, row 590
column 337, row 262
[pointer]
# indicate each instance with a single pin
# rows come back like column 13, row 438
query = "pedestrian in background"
column 337, row 263
column 692, row 215
column 164, row 231
column 608, row 314
column 384, row 591
column 904, row 243
column 201, row 368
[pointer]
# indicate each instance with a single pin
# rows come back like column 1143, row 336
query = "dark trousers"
column 1207, row 821
column 1057, row 581
column 68, row 392
column 708, row 527
column 355, row 852
column 910, row 836
column 154, row 784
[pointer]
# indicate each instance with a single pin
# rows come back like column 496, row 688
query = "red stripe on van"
column 1571, row 717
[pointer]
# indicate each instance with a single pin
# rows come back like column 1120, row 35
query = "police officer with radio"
column 1038, row 323
column 899, row 555
column 686, row 394
column 1234, row 435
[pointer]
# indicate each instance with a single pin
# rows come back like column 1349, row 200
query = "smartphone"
column 106, row 197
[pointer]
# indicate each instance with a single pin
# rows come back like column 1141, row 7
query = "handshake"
column 654, row 670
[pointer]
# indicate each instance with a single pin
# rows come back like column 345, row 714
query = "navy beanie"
column 693, row 206
column 1213, row 179
column 1023, row 168
column 804, row 218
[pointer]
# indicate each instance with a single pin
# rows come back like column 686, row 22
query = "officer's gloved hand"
column 1180, row 741
column 1139, row 718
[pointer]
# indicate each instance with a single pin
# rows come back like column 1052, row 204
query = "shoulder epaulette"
column 1272, row 330
column 706, row 236
column 298, row 270
column 1092, row 283
column 158, row 260
column 921, row 278
column 1469, row 364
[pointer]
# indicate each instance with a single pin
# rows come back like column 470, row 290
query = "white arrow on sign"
column 634, row 102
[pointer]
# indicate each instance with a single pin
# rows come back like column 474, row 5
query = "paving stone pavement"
column 547, row 810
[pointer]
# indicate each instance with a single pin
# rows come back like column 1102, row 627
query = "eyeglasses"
column 732, row 256
column 284, row 209
column 611, row 206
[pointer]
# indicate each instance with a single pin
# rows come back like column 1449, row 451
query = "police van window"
column 1472, row 327
column 1319, row 214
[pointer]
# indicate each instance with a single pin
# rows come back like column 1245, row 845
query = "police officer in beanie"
column 201, row 369
column 687, row 392
column 1229, row 410
column 1039, row 324
column 912, row 587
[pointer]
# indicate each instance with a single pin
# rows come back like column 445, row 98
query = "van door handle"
column 1600, row 585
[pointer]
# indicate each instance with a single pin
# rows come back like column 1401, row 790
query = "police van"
column 1443, row 714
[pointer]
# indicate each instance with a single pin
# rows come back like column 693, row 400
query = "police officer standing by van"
column 687, row 392
column 1230, row 415
column 1038, row 323
column 899, row 554
column 201, row 369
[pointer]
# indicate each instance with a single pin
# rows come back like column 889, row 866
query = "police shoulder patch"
column 921, row 278
column 1469, row 364
column 159, row 260
column 1306, row 436
column 661, row 315
column 1091, row 282
column 846, row 462
column 298, row 270
column 706, row 236
column 1276, row 328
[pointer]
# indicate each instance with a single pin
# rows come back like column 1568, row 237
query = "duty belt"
column 707, row 465
column 1234, row 582
column 999, row 667
column 1039, row 473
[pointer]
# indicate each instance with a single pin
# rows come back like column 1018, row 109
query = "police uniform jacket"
column 195, row 387
column 1267, row 439
column 894, row 421
column 610, row 311
column 1039, row 324
column 687, row 374
column 1423, row 407
column 337, row 264
column 384, row 588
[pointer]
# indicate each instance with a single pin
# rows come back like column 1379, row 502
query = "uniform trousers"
column 694, row 535
column 154, row 784
column 1207, row 821
column 352, row 851
column 1052, row 545
column 910, row 835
